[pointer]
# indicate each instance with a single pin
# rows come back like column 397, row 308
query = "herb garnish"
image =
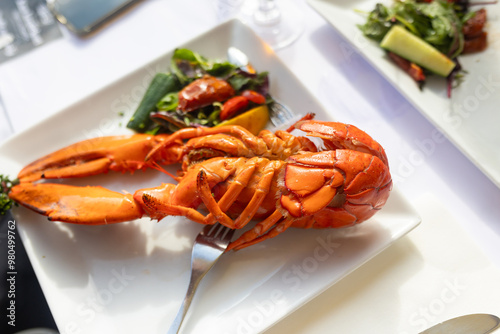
column 5, row 185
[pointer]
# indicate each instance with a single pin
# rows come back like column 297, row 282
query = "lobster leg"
column 160, row 202
column 240, row 132
column 215, row 210
column 183, row 199
column 230, row 196
column 261, row 192
column 238, row 141
column 264, row 230
column 78, row 205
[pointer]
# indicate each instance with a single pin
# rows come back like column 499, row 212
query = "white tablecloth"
column 446, row 267
column 434, row 273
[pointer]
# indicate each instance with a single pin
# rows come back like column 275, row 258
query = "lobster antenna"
column 156, row 166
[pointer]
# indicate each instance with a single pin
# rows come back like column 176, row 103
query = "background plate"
column 470, row 118
column 131, row 277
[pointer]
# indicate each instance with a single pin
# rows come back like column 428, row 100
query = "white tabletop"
column 63, row 71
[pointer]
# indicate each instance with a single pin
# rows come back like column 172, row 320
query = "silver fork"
column 280, row 114
column 208, row 246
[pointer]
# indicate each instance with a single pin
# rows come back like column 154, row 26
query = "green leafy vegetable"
column 158, row 111
column 378, row 23
column 436, row 22
column 5, row 185
column 189, row 65
column 168, row 102
column 162, row 83
column 242, row 80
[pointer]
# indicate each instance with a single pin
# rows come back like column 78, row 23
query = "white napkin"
column 435, row 273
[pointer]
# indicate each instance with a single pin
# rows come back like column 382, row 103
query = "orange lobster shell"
column 278, row 178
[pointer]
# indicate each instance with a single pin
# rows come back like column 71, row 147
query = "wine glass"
column 278, row 24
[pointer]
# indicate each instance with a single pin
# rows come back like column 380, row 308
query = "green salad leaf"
column 168, row 102
column 5, row 185
column 436, row 22
column 189, row 65
column 378, row 23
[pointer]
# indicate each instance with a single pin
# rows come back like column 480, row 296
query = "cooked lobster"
column 278, row 178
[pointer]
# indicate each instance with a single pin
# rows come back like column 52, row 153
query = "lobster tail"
column 343, row 136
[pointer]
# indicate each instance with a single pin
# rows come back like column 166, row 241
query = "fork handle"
column 200, row 268
column 195, row 279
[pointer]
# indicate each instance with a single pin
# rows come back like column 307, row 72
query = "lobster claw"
column 99, row 155
column 78, row 205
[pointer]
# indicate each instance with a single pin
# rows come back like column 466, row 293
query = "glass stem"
column 267, row 13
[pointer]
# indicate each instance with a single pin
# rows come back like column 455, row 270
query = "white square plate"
column 131, row 277
column 470, row 119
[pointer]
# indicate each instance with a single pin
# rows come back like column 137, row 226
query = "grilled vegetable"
column 162, row 84
column 409, row 46
column 194, row 94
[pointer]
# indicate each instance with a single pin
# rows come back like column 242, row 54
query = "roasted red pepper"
column 476, row 44
column 203, row 92
column 412, row 69
column 232, row 106
column 475, row 37
column 254, row 96
column 473, row 27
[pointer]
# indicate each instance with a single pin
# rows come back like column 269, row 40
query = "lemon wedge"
column 253, row 120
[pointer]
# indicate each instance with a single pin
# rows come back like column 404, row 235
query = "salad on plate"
column 203, row 92
column 428, row 36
